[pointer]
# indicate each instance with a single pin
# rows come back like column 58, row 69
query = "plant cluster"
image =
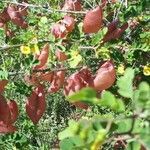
column 79, row 69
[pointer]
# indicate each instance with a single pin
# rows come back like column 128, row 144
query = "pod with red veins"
column 111, row 35
column 31, row 106
column 14, row 112
column 93, row 20
column 36, row 104
column 118, row 32
column 7, row 128
column 115, row 34
column 4, row 110
column 58, row 81
column 105, row 76
column 59, row 30
column 16, row 17
column 41, row 103
column 61, row 56
column 113, row 25
column 43, row 57
column 69, row 23
column 3, row 84
column 4, row 16
column 48, row 77
column 72, row 5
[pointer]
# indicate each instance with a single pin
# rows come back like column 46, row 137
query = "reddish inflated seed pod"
column 69, row 23
column 58, row 81
column 16, row 17
column 48, row 76
column 4, row 15
column 4, row 110
column 4, row 129
column 105, row 76
column 14, row 111
column 3, row 83
column 93, row 20
column 113, row 25
column 36, row 104
column 43, row 57
column 61, row 56
column 59, row 30
column 76, row 82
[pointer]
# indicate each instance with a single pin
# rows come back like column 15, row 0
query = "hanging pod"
column 93, row 20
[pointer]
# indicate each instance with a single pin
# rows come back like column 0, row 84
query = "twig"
column 118, row 11
column 6, row 47
column 55, row 70
column 50, row 10
column 9, row 47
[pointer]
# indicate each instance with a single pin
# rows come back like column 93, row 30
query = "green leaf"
column 98, row 37
column 75, row 61
column 108, row 99
column 69, row 131
column 124, row 125
column 66, row 144
column 44, row 20
column 145, row 138
column 120, row 105
column 133, row 146
column 144, row 89
column 65, row 134
column 71, row 143
column 85, row 94
column 125, row 83
column 3, row 74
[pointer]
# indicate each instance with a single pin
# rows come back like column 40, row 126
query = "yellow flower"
column 35, row 49
column 146, row 70
column 25, row 50
column 121, row 69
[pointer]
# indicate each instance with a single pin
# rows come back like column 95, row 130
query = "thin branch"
column 118, row 11
column 50, row 10
column 55, row 70
column 6, row 47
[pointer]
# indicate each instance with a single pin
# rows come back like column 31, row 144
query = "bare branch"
column 50, row 10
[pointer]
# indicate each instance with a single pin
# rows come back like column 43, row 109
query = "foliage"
column 78, row 116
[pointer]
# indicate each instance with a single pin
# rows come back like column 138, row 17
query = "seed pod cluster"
column 104, row 78
column 14, row 14
column 76, row 82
